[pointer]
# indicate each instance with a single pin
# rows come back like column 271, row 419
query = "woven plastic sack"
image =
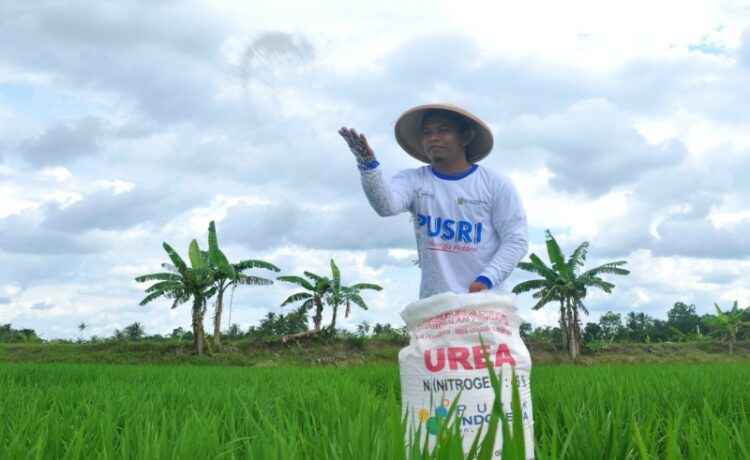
column 444, row 357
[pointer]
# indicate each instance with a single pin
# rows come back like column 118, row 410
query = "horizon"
column 617, row 124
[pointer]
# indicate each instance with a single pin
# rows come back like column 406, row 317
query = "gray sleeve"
column 388, row 198
column 509, row 220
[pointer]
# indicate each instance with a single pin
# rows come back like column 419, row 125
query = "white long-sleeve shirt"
column 468, row 227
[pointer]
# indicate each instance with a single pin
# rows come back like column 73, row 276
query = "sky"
column 127, row 124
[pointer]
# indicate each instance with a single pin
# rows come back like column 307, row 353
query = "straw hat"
column 409, row 132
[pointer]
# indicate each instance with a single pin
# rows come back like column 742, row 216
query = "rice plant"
column 74, row 411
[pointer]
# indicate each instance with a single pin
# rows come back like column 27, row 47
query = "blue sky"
column 123, row 125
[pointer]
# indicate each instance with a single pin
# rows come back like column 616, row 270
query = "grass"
column 96, row 411
column 345, row 352
column 676, row 411
column 594, row 412
column 315, row 351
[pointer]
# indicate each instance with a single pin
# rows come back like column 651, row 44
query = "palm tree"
column 363, row 328
column 229, row 275
column 119, row 335
column 182, row 283
column 345, row 295
column 134, row 331
column 81, row 327
column 728, row 323
column 234, row 331
column 267, row 325
column 562, row 283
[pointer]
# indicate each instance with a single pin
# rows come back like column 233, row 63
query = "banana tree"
column 183, row 283
column 345, row 295
column 322, row 290
column 316, row 287
column 228, row 275
column 562, row 283
column 728, row 323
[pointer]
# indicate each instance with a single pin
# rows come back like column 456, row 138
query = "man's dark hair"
column 463, row 124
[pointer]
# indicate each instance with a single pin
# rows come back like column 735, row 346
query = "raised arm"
column 357, row 143
column 387, row 199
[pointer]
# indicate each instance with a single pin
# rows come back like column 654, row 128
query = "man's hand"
column 358, row 145
column 476, row 286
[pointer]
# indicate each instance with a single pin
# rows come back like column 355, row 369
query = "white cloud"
column 63, row 143
column 59, row 173
column 592, row 147
column 23, row 233
column 12, row 203
column 117, row 186
column 618, row 125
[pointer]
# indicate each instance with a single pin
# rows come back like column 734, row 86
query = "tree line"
column 682, row 324
column 272, row 326
column 562, row 283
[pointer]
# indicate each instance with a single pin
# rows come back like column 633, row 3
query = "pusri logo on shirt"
column 423, row 194
column 461, row 231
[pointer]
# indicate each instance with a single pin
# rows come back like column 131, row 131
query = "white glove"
column 359, row 147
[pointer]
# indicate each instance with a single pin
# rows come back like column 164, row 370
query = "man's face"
column 442, row 141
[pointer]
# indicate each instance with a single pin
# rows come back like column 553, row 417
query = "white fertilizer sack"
column 445, row 357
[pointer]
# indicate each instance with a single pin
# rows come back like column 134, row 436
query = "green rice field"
column 153, row 412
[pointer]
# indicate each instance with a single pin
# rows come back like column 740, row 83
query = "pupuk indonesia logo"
column 462, row 201
column 441, row 413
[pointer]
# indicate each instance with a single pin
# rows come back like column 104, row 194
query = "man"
column 469, row 222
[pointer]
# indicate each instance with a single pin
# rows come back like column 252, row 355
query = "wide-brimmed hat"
column 409, row 132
